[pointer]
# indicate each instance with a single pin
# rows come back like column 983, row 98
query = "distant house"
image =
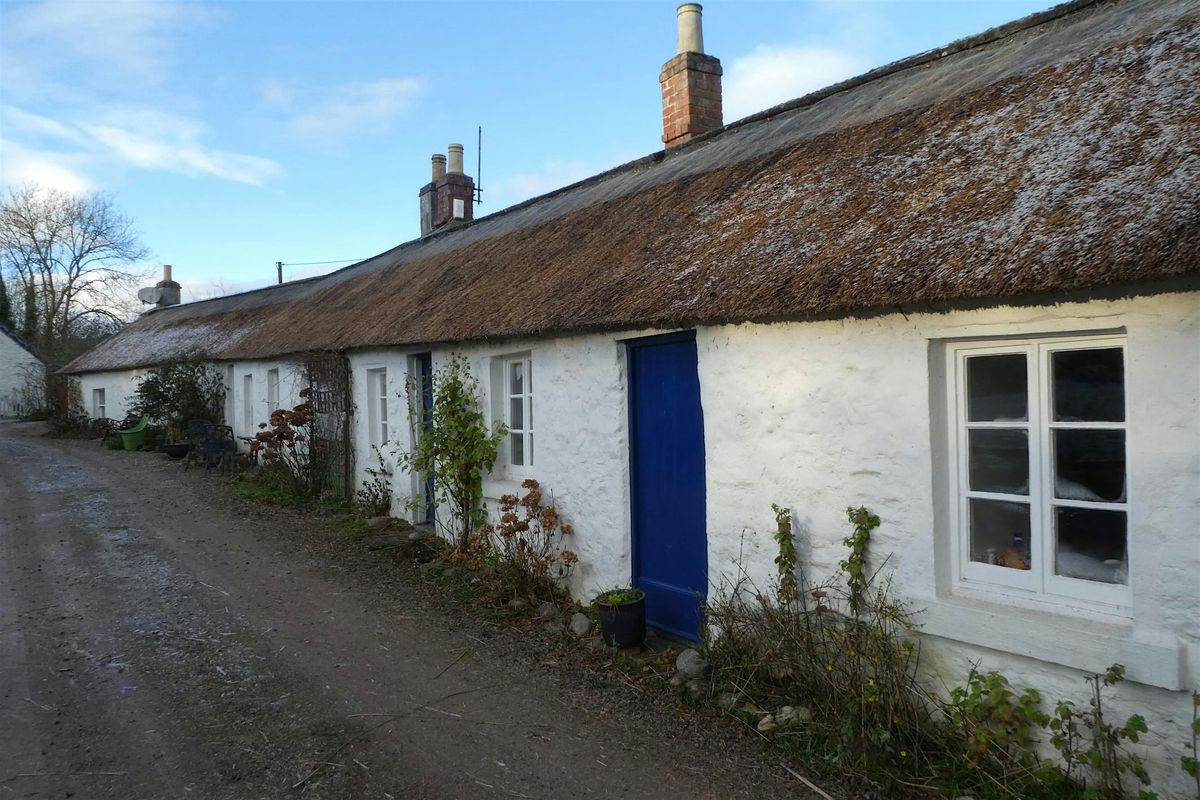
column 19, row 362
column 963, row 290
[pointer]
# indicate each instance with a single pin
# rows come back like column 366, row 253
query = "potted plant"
column 622, row 615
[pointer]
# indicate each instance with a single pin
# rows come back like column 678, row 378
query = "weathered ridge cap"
column 1054, row 154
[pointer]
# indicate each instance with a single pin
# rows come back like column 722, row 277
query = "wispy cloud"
column 157, row 140
column 62, row 153
column 774, row 74
column 131, row 42
column 45, row 168
column 338, row 111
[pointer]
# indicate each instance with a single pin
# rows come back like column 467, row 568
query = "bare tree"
column 73, row 257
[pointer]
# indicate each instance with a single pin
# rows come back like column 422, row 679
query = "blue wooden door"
column 425, row 361
column 666, row 444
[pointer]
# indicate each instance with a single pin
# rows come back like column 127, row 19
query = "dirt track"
column 160, row 639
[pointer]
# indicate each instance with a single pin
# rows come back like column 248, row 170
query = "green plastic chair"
column 133, row 438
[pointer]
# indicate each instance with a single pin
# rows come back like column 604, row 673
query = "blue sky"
column 241, row 134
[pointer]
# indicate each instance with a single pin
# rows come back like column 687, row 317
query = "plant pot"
column 176, row 449
column 622, row 621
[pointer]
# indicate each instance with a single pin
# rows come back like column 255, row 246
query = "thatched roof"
column 1058, row 154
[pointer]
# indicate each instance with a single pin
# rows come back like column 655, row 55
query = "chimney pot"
column 439, row 165
column 691, row 34
column 166, row 273
column 454, row 165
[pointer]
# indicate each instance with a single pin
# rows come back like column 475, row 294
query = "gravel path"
column 159, row 639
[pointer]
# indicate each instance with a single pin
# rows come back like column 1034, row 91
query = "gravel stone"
column 580, row 624
column 767, row 724
column 547, row 610
column 794, row 715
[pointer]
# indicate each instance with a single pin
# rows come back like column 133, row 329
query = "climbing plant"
column 454, row 446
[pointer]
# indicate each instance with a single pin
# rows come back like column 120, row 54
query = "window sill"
column 496, row 487
column 1153, row 658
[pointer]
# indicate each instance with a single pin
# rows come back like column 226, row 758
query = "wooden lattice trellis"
column 328, row 377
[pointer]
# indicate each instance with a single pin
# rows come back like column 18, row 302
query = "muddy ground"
column 161, row 639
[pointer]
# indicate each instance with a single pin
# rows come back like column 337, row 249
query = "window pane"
column 529, row 412
column 1089, row 465
column 517, row 448
column 529, row 448
column 529, row 376
column 1000, row 533
column 516, row 419
column 1089, row 385
column 383, row 410
column 1091, row 545
column 999, row 461
column 997, row 388
column 516, row 379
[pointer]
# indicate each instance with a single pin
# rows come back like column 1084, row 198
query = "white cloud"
column 157, row 140
column 132, row 41
column 136, row 136
column 774, row 74
column 349, row 108
column 45, row 168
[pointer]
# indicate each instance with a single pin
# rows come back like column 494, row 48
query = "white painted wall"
column 15, row 364
column 119, row 389
column 821, row 416
column 399, row 364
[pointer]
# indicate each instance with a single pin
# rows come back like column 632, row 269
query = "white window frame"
column 248, row 402
column 525, row 397
column 1039, row 584
column 377, row 406
column 272, row 390
column 98, row 404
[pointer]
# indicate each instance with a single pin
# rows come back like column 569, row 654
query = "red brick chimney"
column 691, row 83
column 450, row 196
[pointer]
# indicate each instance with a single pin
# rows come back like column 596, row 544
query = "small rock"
column 553, row 626
column 697, row 688
column 378, row 522
column 753, row 710
column 677, row 680
column 794, row 715
column 767, row 724
column 595, row 645
column 516, row 604
column 580, row 624
column 691, row 664
column 547, row 610
column 727, row 701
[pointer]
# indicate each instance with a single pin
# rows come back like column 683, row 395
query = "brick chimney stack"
column 691, row 83
column 450, row 196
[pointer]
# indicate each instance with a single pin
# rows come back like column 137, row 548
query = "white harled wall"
column 119, row 388
column 15, row 364
column 824, row 415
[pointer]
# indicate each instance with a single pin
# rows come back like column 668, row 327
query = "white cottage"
column 963, row 290
column 19, row 365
